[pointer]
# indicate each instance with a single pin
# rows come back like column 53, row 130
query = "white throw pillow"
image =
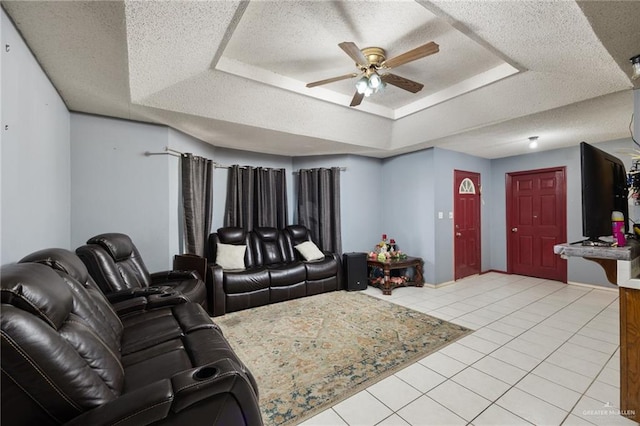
column 309, row 251
column 230, row 256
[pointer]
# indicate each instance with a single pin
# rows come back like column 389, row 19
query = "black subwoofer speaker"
column 355, row 271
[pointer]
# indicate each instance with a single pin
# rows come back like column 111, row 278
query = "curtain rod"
column 167, row 151
column 176, row 153
column 342, row 169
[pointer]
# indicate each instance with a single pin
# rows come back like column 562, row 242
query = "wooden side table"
column 386, row 285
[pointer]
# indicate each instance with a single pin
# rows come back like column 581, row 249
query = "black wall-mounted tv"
column 604, row 189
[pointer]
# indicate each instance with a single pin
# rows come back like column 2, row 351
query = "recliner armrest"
column 118, row 296
column 131, row 293
column 165, row 299
column 218, row 304
column 221, row 377
column 142, row 406
column 127, row 306
column 338, row 261
column 168, row 276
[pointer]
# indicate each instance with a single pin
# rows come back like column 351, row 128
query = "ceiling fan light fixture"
column 374, row 80
column 362, row 85
column 372, row 59
column 635, row 66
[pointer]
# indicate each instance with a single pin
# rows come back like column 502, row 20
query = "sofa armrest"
column 336, row 258
column 118, row 296
column 223, row 377
column 163, row 277
column 217, row 303
column 142, row 406
column 127, row 306
column 131, row 293
column 165, row 299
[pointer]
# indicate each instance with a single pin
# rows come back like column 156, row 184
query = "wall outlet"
column 440, row 215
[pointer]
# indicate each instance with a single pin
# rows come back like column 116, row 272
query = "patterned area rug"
column 308, row 354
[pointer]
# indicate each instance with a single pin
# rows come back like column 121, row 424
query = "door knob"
column 458, row 234
column 514, row 229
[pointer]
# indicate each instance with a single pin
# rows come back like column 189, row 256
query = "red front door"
column 536, row 221
column 466, row 224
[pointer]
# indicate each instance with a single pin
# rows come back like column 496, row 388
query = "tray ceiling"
column 233, row 73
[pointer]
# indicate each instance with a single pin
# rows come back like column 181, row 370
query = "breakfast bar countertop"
column 628, row 252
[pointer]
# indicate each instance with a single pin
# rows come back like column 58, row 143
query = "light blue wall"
column 360, row 209
column 35, row 177
column 116, row 188
column 407, row 201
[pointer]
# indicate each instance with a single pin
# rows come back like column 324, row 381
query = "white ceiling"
column 233, row 73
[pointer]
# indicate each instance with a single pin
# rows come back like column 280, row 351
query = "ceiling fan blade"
column 357, row 99
column 331, row 80
column 417, row 53
column 403, row 83
column 352, row 50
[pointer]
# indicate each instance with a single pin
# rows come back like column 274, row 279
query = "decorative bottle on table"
column 617, row 225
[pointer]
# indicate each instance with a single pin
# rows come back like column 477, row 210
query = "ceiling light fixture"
column 370, row 83
column 635, row 66
column 533, row 142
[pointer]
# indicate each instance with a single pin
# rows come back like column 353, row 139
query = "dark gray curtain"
column 319, row 206
column 256, row 197
column 197, row 202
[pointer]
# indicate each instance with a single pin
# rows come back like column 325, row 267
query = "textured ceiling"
column 233, row 73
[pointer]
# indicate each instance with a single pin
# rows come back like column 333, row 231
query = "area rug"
column 308, row 354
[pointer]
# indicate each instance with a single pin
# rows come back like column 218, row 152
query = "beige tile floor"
column 542, row 353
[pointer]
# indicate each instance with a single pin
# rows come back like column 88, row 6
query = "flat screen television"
column 604, row 189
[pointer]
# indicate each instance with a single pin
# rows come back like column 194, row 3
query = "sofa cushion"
column 309, row 251
column 246, row 281
column 268, row 246
column 287, row 274
column 230, row 256
column 156, row 368
column 319, row 269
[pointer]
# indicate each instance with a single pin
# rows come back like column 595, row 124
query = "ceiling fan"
column 371, row 61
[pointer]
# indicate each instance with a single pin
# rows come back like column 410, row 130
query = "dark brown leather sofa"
column 117, row 267
column 68, row 358
column 273, row 270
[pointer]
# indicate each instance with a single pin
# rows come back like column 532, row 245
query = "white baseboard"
column 597, row 287
column 445, row 284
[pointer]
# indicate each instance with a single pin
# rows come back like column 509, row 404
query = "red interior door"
column 466, row 221
column 536, row 221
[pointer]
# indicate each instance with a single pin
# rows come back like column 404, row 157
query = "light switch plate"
column 450, row 215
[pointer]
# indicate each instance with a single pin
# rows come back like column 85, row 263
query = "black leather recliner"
column 63, row 361
column 116, row 266
column 273, row 270
column 140, row 322
column 234, row 290
column 322, row 275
